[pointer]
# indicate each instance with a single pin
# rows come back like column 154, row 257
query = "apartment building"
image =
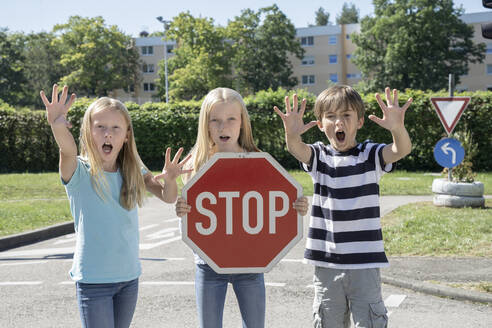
column 328, row 59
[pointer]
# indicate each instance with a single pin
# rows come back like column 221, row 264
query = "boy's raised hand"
column 173, row 169
column 393, row 116
column 57, row 109
column 293, row 122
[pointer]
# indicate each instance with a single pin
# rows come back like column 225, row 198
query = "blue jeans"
column 211, row 288
column 107, row 305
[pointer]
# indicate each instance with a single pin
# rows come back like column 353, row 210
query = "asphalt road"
column 35, row 290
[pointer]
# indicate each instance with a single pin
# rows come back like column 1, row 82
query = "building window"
column 332, row 39
column 149, row 86
column 489, row 49
column 148, row 68
column 349, row 56
column 333, row 59
column 307, row 41
column 489, row 88
column 489, row 69
column 307, row 61
column 334, row 77
column 347, row 36
column 169, row 48
column 308, row 80
column 353, row 75
column 147, row 51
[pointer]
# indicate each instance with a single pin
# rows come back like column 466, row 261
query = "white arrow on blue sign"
column 448, row 152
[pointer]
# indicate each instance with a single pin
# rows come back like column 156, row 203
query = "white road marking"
column 167, row 283
column 163, row 233
column 41, row 251
column 148, row 227
column 17, row 283
column 70, row 282
column 275, row 284
column 23, row 263
column 173, row 220
column 152, row 245
column 292, row 260
column 394, row 300
column 71, row 240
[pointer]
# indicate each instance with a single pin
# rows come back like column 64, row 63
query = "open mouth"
column 224, row 138
column 340, row 136
column 107, row 148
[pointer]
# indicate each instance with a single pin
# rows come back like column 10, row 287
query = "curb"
column 35, row 236
column 438, row 290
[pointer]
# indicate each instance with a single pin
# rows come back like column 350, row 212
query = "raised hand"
column 293, row 122
column 301, row 205
column 57, row 109
column 173, row 169
column 393, row 116
column 182, row 208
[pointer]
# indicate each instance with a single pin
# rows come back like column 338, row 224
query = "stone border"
column 35, row 236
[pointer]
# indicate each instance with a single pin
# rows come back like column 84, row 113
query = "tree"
column 100, row 58
column 349, row 14
column 414, row 44
column 201, row 61
column 262, row 43
column 12, row 78
column 41, row 62
column 322, row 17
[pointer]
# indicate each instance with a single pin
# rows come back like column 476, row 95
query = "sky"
column 132, row 17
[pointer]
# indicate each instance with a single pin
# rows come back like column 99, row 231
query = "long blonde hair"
column 129, row 162
column 204, row 146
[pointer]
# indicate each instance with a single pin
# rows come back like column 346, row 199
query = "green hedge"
column 27, row 144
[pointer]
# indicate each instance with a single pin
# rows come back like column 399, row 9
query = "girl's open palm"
column 293, row 122
column 393, row 115
column 173, row 169
column 57, row 109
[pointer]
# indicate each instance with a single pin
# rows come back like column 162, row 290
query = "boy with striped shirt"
column 345, row 240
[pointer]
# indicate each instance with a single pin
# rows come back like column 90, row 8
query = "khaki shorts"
column 337, row 293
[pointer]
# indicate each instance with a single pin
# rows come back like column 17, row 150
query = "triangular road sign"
column 449, row 110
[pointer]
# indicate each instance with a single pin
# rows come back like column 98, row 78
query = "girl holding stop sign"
column 224, row 126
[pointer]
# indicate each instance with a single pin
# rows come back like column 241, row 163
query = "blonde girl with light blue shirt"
column 104, row 186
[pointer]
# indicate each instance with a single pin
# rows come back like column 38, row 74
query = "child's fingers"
column 71, row 100
column 287, row 104
column 303, row 107
column 54, row 94
column 407, row 104
column 375, row 119
column 395, row 97
column 167, row 157
column 177, row 155
column 45, row 100
column 64, row 95
column 388, row 96
column 183, row 162
column 309, row 126
column 278, row 111
column 295, row 103
column 380, row 101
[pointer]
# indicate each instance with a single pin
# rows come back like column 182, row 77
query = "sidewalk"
column 431, row 275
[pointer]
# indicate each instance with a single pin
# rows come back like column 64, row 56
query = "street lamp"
column 165, row 23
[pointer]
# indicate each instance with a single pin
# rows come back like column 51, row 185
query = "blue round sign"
column 448, row 152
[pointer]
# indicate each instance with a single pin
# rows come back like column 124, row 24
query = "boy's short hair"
column 338, row 97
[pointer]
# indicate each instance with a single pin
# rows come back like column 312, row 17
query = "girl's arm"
column 167, row 192
column 56, row 112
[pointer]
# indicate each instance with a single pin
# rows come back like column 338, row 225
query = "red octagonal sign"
column 242, row 218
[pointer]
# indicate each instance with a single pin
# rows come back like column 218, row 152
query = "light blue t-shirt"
column 107, row 248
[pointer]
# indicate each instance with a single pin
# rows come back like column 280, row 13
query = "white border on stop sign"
column 282, row 253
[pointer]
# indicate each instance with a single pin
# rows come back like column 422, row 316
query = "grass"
column 423, row 229
column 29, row 201
column 483, row 286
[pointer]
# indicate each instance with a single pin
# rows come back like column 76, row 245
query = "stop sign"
column 242, row 219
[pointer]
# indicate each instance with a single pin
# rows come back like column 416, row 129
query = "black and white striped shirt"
column 345, row 225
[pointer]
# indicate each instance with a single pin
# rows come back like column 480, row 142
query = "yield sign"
column 449, row 110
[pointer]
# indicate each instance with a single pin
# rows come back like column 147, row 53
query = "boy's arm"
column 167, row 192
column 56, row 112
column 294, row 127
column 394, row 121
